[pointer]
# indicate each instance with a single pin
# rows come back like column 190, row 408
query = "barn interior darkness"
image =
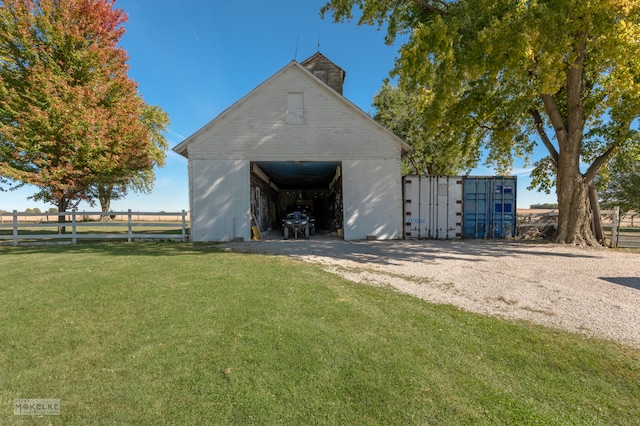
column 280, row 187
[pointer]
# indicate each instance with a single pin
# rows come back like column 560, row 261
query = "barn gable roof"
column 299, row 69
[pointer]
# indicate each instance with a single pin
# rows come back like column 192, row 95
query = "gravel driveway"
column 591, row 291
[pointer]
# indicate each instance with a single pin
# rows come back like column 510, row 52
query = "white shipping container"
column 432, row 207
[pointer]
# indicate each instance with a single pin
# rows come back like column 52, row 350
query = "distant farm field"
column 173, row 333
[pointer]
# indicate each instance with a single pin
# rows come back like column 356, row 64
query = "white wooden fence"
column 29, row 228
column 623, row 231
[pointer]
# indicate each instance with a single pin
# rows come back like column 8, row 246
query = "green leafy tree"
column 562, row 73
column 70, row 117
column 115, row 188
column 620, row 184
column 434, row 152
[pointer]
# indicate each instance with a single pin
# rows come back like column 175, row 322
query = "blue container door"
column 489, row 207
column 475, row 207
column 504, row 203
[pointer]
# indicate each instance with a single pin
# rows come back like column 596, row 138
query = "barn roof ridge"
column 181, row 148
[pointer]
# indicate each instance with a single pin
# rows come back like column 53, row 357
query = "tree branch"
column 415, row 165
column 544, row 137
column 597, row 164
column 430, row 9
column 555, row 116
column 482, row 126
column 575, row 92
column 602, row 159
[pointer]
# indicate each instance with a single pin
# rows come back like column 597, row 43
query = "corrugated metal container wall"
column 489, row 207
column 432, row 207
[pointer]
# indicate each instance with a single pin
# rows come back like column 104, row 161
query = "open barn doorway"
column 282, row 187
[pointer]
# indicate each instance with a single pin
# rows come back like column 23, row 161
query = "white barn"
column 295, row 142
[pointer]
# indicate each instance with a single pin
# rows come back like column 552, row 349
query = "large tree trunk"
column 63, row 203
column 104, row 196
column 574, row 208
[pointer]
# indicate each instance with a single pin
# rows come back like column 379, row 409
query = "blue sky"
column 195, row 58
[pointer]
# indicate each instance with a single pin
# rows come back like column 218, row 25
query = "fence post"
column 73, row 226
column 15, row 228
column 129, row 226
column 615, row 227
column 184, row 226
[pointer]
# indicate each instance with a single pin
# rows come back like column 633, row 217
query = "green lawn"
column 175, row 334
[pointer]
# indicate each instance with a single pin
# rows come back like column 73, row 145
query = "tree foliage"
column 562, row 73
column 433, row 153
column 114, row 187
column 620, row 184
column 70, row 117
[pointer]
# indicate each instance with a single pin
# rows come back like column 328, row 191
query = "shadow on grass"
column 117, row 249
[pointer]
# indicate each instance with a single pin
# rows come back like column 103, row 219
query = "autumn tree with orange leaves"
column 70, row 117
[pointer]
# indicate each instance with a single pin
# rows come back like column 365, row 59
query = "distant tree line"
column 35, row 210
column 544, row 206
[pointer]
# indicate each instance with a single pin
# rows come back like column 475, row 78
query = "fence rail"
column 623, row 230
column 29, row 228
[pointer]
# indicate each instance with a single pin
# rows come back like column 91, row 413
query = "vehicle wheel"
column 313, row 231
column 306, row 233
column 286, row 232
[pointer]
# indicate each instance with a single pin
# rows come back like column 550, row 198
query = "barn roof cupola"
column 325, row 70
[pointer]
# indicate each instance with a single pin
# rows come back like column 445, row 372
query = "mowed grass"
column 173, row 334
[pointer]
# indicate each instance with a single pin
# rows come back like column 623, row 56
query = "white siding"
column 372, row 199
column 255, row 127
column 220, row 200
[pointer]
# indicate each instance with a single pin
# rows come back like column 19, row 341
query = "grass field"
column 173, row 334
